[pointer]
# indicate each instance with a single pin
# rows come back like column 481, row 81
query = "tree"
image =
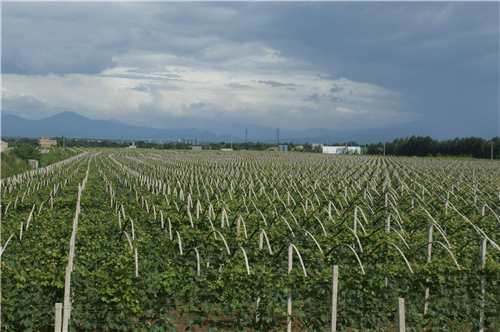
column 30, row 141
column 27, row 151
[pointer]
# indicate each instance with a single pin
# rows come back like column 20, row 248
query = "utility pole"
column 384, row 148
column 491, row 150
column 231, row 141
column 277, row 136
column 246, row 135
column 64, row 142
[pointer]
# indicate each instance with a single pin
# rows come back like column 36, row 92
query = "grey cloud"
column 163, row 74
column 152, row 87
column 28, row 107
column 37, row 44
column 276, row 84
column 326, row 78
column 144, row 77
column 17, row 103
column 141, row 88
column 84, row 38
column 315, row 98
column 337, row 99
column 291, row 89
column 381, row 44
column 199, row 105
column 336, row 89
column 238, row 86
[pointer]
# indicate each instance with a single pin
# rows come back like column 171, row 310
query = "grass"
column 54, row 156
column 12, row 165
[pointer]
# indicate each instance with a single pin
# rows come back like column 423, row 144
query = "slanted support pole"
column 335, row 284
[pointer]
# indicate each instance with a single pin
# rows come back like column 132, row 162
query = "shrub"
column 26, row 151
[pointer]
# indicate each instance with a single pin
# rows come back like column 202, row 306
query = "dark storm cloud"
column 276, row 84
column 84, row 38
column 59, row 38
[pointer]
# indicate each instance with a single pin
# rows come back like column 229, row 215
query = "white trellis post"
column 67, row 303
column 429, row 258
column 483, row 260
column 401, row 315
column 335, row 283
column 136, row 263
column 58, row 317
column 289, row 295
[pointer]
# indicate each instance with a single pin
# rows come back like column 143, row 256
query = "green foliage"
column 168, row 294
column 55, row 155
column 470, row 147
column 12, row 165
column 26, row 151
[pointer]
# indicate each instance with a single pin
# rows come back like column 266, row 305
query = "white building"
column 3, row 146
column 342, row 149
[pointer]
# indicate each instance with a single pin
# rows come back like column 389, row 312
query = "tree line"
column 419, row 146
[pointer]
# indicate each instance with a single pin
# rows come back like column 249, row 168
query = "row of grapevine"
column 166, row 241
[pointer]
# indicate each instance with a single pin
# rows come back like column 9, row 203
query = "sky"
column 294, row 65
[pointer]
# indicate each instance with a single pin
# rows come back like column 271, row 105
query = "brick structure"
column 46, row 142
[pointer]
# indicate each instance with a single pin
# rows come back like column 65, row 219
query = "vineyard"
column 184, row 241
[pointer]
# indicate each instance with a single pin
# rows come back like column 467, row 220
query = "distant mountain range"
column 73, row 125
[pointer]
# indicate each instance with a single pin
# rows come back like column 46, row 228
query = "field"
column 160, row 241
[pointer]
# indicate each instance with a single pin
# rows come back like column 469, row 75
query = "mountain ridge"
column 74, row 125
